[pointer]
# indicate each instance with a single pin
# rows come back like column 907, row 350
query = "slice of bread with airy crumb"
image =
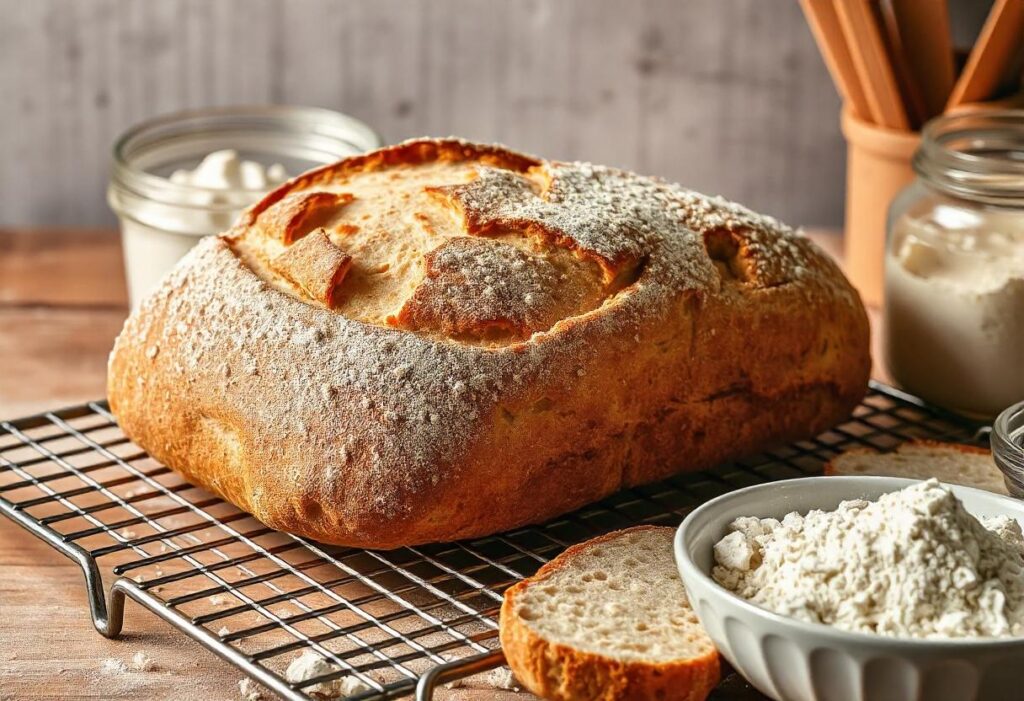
column 952, row 463
column 609, row 619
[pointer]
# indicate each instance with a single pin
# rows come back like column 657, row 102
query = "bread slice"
column 609, row 619
column 953, row 463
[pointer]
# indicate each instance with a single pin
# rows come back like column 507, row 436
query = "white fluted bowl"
column 791, row 660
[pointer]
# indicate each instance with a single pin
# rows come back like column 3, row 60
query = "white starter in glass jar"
column 224, row 170
column 213, row 194
column 954, row 268
column 179, row 178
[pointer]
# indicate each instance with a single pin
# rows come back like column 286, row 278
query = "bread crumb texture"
column 609, row 619
column 622, row 598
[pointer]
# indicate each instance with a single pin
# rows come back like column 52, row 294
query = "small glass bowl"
column 1008, row 447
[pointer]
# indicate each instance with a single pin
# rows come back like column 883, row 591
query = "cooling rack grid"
column 392, row 619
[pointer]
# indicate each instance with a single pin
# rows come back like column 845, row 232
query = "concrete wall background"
column 726, row 96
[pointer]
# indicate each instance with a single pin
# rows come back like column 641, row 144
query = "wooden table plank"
column 53, row 356
column 77, row 268
column 62, row 302
column 49, row 649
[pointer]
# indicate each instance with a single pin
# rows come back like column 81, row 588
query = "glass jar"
column 954, row 266
column 1007, row 440
column 161, row 219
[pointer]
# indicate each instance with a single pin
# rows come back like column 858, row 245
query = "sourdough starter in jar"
column 954, row 269
column 178, row 178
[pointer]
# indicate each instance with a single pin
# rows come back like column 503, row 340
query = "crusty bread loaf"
column 609, row 620
column 440, row 340
column 952, row 463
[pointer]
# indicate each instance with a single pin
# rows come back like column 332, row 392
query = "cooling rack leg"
column 108, row 621
column 458, row 669
column 115, row 613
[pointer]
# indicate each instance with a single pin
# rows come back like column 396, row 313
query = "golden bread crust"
column 564, row 673
column 420, row 395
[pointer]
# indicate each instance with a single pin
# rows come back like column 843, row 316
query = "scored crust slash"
column 440, row 340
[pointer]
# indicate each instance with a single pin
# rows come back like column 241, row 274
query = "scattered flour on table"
column 250, row 690
column 113, row 666
column 309, row 665
column 913, row 564
column 140, row 662
column 500, row 678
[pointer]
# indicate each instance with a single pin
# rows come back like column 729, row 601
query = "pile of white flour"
column 912, row 564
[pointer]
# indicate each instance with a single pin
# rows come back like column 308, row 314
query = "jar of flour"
column 954, row 267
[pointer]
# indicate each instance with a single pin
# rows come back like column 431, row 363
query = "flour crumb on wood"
column 500, row 678
column 310, row 665
column 140, row 662
column 113, row 666
column 250, row 690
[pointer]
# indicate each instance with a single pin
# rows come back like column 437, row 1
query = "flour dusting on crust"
column 608, row 259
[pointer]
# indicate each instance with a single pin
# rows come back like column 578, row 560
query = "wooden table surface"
column 62, row 302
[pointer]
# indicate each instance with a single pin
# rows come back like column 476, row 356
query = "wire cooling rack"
column 258, row 598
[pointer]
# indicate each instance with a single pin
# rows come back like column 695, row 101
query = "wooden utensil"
column 859, row 22
column 906, row 82
column 927, row 49
column 824, row 23
column 1001, row 39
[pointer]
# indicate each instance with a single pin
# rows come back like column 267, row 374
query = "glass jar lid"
column 977, row 156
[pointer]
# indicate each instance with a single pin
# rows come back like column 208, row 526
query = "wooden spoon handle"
column 1000, row 41
column 859, row 21
column 824, row 23
column 923, row 27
